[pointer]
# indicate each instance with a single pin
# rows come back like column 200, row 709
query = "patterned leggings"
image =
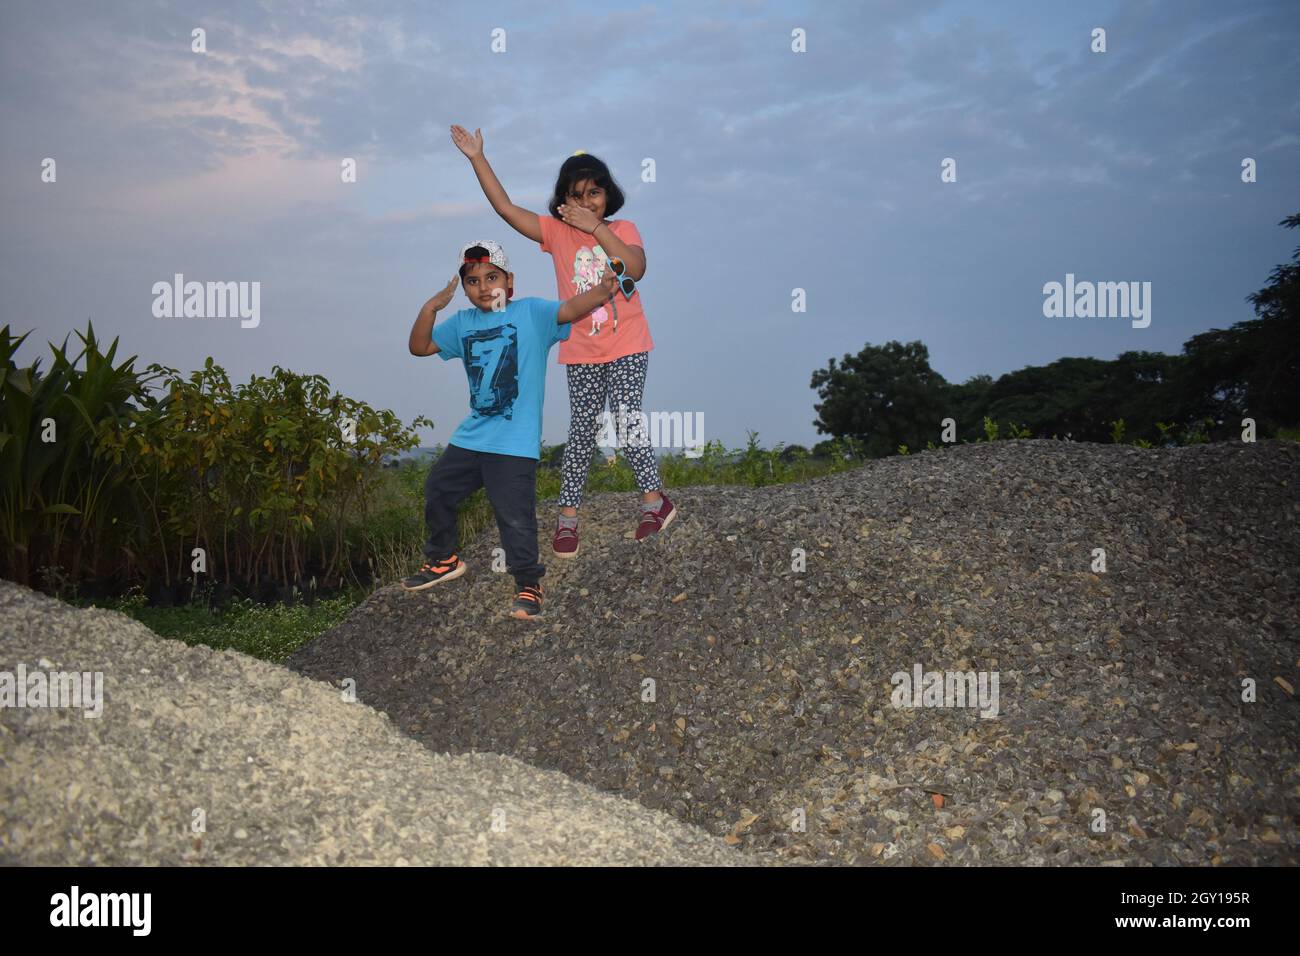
column 621, row 382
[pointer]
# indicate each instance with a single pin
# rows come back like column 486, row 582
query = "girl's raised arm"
column 522, row 220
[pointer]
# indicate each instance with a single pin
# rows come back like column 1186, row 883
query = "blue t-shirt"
column 505, row 359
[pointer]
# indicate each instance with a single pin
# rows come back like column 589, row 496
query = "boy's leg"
column 587, row 387
column 511, row 483
column 456, row 474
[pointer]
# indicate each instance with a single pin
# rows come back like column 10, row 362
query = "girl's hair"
column 577, row 168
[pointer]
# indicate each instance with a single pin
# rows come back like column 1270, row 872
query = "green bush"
column 62, row 507
column 261, row 476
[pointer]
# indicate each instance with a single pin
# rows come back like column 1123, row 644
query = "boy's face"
column 586, row 193
column 485, row 285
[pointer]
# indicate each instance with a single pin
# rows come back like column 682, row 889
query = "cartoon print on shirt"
column 585, row 273
column 588, row 267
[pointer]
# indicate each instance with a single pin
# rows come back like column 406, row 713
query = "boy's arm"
column 421, row 342
column 584, row 302
column 521, row 220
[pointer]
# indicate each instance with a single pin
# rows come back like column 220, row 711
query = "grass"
column 269, row 632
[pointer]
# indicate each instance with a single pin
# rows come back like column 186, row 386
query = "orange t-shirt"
column 580, row 263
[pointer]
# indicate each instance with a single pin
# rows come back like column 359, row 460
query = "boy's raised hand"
column 471, row 146
column 443, row 298
column 584, row 302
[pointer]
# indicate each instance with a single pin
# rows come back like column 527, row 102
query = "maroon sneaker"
column 565, row 543
column 654, row 520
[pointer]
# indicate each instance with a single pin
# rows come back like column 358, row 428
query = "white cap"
column 496, row 255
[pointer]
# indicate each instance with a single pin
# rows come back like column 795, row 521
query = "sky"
column 774, row 170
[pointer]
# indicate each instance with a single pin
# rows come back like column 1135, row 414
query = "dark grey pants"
column 511, row 483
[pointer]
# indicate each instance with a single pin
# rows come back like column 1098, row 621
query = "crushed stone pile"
column 745, row 670
column 270, row 767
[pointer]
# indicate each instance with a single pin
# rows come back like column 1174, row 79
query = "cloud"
column 432, row 212
column 761, row 153
column 249, row 187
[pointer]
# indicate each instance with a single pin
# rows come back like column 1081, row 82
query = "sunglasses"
column 625, row 282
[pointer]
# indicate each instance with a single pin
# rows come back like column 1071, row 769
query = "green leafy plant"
column 102, row 471
column 1199, row 432
column 61, row 505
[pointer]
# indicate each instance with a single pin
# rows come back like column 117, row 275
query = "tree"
column 889, row 396
column 1253, row 368
column 883, row 397
column 1081, row 396
column 968, row 403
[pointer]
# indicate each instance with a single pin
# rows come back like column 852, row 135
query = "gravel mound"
column 1121, row 735
column 282, row 768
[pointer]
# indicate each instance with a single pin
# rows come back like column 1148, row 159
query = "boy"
column 504, row 346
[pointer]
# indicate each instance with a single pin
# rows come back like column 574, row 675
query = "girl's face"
column 586, row 193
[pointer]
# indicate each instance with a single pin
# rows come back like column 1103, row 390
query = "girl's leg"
column 626, row 386
column 586, row 400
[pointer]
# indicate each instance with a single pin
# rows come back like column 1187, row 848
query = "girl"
column 606, row 357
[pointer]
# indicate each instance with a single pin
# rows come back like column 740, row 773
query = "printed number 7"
column 487, row 356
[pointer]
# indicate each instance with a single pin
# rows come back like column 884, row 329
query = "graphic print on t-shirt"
column 588, row 267
column 492, row 358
